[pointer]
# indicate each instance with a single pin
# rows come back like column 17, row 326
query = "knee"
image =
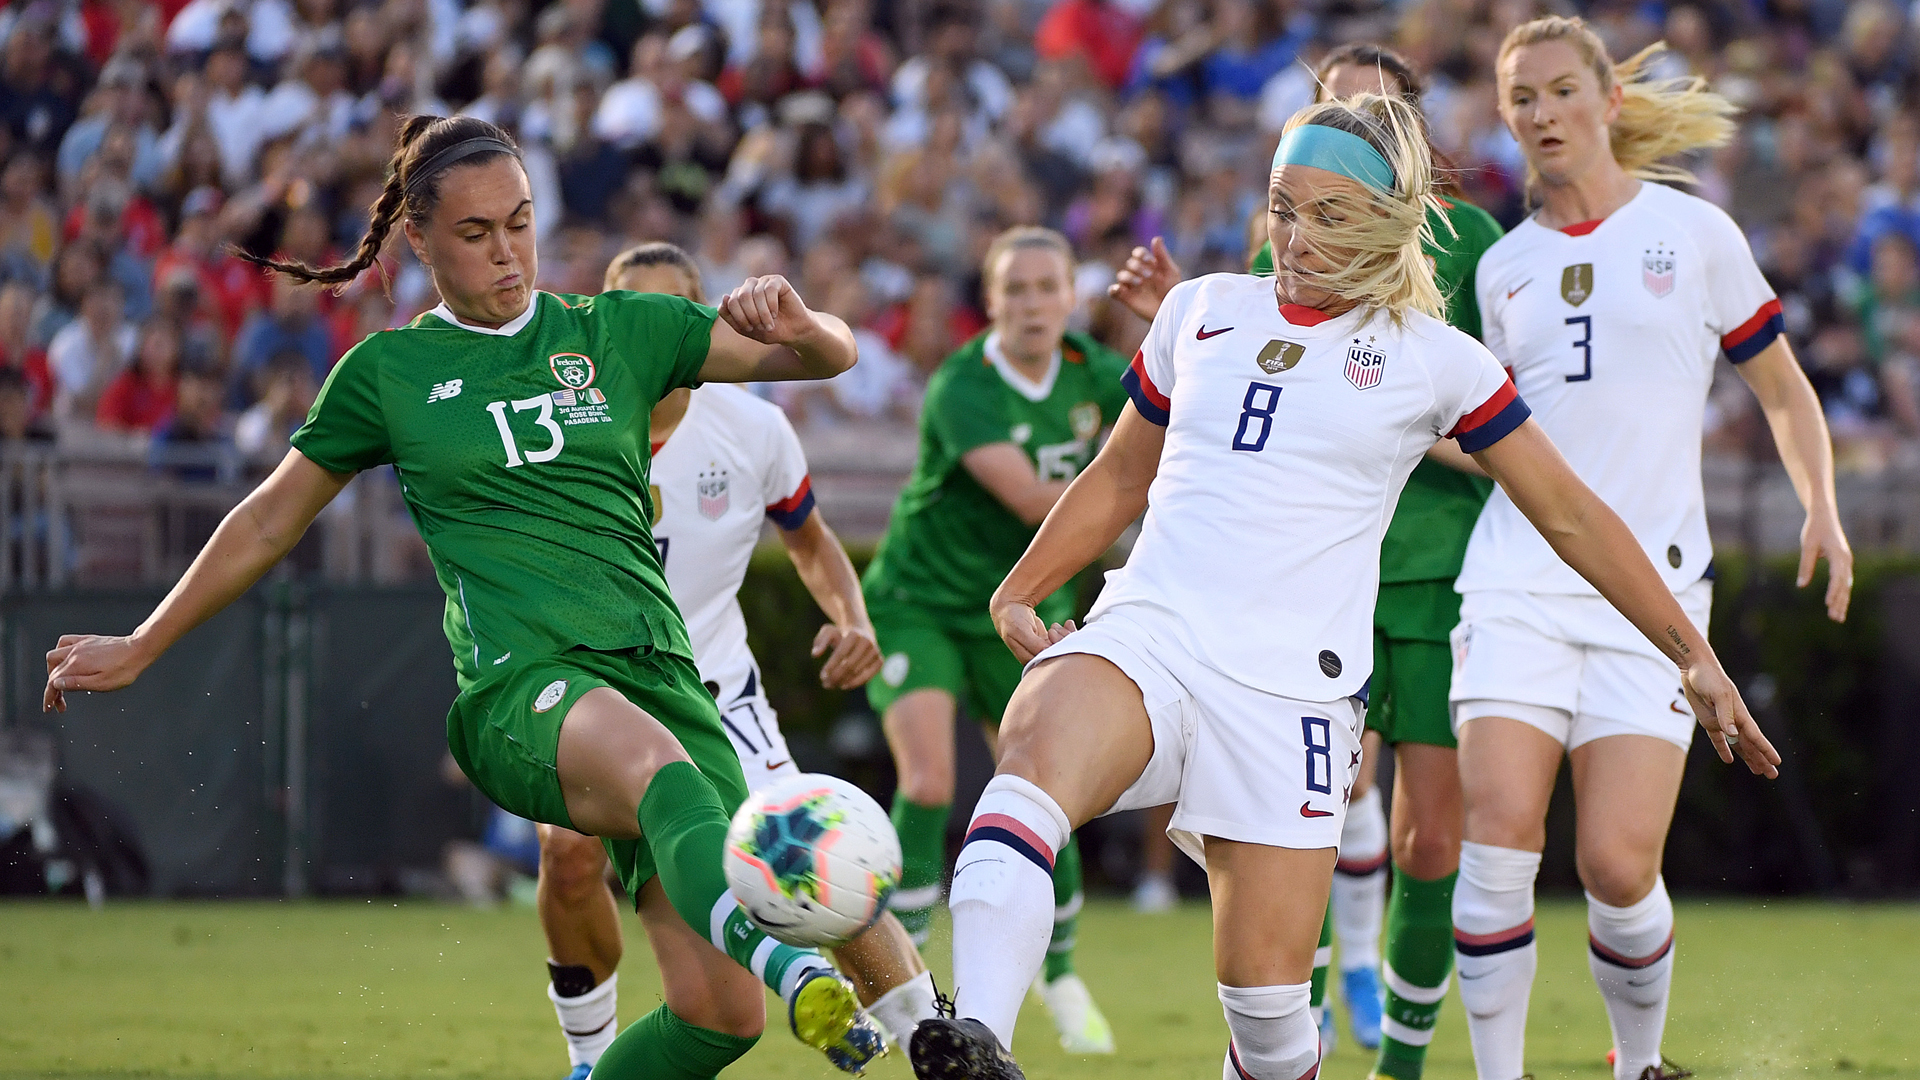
column 1426, row 852
column 1617, row 878
column 927, row 784
column 572, row 866
column 736, row 1008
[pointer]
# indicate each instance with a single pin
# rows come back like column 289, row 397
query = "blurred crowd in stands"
column 869, row 149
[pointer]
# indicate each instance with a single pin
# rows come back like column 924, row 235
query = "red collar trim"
column 1300, row 315
column 658, row 445
column 1583, row 228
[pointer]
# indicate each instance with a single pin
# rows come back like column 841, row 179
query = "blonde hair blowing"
column 1660, row 118
column 1022, row 238
column 1373, row 239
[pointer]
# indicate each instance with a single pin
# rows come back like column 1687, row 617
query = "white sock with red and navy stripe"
column 1360, row 883
column 1630, row 950
column 1272, row 1033
column 1002, row 900
column 1495, row 954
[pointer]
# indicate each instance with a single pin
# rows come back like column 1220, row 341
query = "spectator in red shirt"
column 235, row 287
column 1097, row 30
column 140, row 397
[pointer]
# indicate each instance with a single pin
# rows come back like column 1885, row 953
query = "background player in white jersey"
column 1610, row 306
column 1271, row 427
column 724, row 462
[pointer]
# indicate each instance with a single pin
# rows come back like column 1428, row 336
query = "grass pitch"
column 375, row 989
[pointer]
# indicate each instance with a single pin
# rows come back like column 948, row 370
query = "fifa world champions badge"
column 1364, row 364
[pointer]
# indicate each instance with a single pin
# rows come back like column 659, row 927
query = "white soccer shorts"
column 1238, row 763
column 1571, row 666
column 754, row 729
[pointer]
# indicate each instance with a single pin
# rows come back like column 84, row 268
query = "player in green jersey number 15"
column 1009, row 420
column 579, row 704
column 1417, row 608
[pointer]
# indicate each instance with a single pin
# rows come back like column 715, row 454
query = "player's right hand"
column 90, row 662
column 1023, row 631
column 1144, row 282
column 1717, row 705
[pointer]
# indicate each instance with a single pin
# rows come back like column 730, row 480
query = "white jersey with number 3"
column 1611, row 330
column 1289, row 437
column 733, row 463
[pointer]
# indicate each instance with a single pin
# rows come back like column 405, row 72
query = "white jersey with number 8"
column 1611, row 331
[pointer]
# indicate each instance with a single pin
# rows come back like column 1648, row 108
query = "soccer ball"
column 812, row 859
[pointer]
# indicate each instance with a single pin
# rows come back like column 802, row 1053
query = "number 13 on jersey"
column 544, row 403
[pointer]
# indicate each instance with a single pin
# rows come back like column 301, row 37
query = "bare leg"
column 1268, row 909
column 701, row 984
column 577, row 910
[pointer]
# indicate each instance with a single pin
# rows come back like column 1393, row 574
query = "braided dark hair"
column 409, row 193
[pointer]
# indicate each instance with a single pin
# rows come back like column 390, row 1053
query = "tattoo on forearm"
column 1678, row 643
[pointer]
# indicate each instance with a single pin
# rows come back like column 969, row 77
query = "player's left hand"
column 1821, row 537
column 767, row 310
column 1717, row 705
column 853, row 656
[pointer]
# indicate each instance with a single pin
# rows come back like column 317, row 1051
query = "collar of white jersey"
column 1025, row 387
column 508, row 329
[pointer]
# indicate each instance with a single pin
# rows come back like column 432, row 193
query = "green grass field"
column 375, row 989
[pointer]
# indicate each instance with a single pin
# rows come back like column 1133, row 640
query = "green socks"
column 1419, row 958
column 1068, row 896
column 1322, row 960
column 661, row 1046
column 686, row 827
column 923, row 860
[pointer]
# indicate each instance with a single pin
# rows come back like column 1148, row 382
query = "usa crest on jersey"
column 1364, row 365
column 712, row 489
column 1656, row 270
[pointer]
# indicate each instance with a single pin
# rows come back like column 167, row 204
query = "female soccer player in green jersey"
column 1009, row 420
column 517, row 421
column 1416, row 611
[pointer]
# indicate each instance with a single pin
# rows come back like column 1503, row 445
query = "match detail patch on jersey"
column 574, row 370
column 1365, row 363
column 1656, row 270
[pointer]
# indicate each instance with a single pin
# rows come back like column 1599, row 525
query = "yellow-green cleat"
column 1082, row 1026
column 825, row 1014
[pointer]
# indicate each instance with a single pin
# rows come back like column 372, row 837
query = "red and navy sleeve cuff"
column 1494, row 420
column 791, row 512
column 1147, row 398
column 1752, row 337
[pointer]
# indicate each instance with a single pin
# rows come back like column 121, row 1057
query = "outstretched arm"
column 253, row 537
column 1806, row 449
column 1009, row 476
column 766, row 333
column 1592, row 539
column 1096, row 508
column 853, row 656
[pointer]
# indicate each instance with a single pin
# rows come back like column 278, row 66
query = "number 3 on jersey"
column 1256, row 412
column 545, row 404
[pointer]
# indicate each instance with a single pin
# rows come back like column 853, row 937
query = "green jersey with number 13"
column 523, row 457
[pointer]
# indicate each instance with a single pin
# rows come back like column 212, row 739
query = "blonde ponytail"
column 1659, row 119
column 1374, row 239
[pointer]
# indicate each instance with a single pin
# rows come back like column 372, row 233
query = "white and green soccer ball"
column 812, row 859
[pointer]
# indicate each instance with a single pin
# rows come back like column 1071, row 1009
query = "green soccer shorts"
column 504, row 732
column 926, row 650
column 1413, row 663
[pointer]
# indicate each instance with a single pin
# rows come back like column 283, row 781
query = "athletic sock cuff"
column 1017, row 813
column 1498, row 869
column 1636, row 936
column 1265, row 1002
column 702, row 1048
column 592, row 997
column 677, row 790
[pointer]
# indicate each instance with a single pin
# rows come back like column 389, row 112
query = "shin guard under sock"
column 1418, row 962
column 1630, row 951
column 1002, row 900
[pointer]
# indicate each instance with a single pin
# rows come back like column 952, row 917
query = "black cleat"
column 947, row 1049
column 1666, row 1070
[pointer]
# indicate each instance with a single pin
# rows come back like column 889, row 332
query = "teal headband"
column 1336, row 151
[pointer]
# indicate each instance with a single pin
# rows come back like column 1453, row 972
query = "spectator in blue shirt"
column 290, row 324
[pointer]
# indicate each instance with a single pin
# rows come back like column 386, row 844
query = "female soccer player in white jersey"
column 1610, row 306
column 517, row 420
column 1271, row 425
column 724, row 462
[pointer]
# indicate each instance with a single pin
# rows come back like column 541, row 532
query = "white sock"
column 589, row 1021
column 901, row 1009
column 1495, row 954
column 1630, row 950
column 1272, row 1035
column 1002, row 900
column 1360, row 883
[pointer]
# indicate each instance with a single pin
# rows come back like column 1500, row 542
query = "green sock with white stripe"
column 923, row 859
column 1419, row 959
column 1068, row 896
column 1322, row 960
column 686, row 826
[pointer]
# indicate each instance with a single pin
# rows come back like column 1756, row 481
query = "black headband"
column 466, row 148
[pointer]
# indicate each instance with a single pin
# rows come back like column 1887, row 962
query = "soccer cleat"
column 825, row 1014
column 1083, row 1027
column 1361, row 989
column 1666, row 1070
column 1155, row 895
column 945, row 1048
column 580, row 1072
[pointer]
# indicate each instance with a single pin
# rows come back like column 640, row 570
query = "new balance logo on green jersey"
column 443, row 391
